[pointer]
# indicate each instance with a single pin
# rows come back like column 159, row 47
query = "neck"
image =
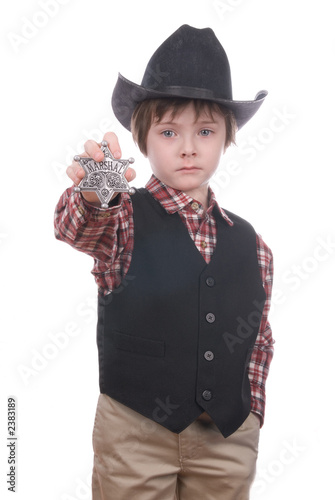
column 201, row 195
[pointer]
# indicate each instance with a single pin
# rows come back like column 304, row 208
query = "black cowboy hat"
column 190, row 63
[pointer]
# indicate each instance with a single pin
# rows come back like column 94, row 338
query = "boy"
column 184, row 290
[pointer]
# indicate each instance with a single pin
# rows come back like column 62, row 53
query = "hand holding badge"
column 104, row 177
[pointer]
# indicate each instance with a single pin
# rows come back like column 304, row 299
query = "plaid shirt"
column 108, row 236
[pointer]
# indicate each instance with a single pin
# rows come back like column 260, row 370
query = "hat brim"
column 127, row 95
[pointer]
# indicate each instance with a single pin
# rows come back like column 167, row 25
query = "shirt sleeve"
column 263, row 349
column 102, row 234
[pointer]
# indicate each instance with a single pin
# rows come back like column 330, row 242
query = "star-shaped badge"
column 104, row 177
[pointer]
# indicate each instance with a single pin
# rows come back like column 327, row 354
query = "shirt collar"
column 173, row 200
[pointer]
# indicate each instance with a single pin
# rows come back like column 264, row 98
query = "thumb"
column 130, row 174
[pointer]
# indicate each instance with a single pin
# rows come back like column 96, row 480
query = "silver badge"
column 104, row 177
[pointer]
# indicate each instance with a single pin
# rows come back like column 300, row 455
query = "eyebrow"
column 200, row 122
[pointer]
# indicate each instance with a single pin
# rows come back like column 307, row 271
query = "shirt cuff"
column 87, row 210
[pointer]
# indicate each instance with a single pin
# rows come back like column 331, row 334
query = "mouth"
column 188, row 168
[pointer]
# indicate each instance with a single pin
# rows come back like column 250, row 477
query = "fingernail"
column 98, row 155
column 117, row 154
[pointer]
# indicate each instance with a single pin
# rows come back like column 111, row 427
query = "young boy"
column 184, row 290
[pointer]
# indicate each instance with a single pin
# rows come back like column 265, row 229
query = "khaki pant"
column 137, row 459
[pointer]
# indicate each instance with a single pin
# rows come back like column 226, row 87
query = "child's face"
column 184, row 154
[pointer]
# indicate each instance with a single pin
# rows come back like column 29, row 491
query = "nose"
column 188, row 149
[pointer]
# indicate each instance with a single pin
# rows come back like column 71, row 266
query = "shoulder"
column 143, row 201
column 264, row 252
column 238, row 221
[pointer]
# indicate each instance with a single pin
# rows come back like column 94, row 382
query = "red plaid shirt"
column 108, row 236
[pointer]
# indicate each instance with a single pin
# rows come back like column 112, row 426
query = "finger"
column 130, row 174
column 93, row 150
column 75, row 172
column 113, row 144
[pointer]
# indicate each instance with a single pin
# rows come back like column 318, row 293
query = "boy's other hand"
column 93, row 150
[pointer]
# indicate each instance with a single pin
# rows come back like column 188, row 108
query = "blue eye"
column 205, row 132
column 168, row 133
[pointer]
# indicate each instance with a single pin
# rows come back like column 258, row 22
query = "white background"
column 60, row 61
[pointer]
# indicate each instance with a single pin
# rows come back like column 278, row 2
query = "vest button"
column 209, row 355
column 210, row 318
column 207, row 395
column 210, row 281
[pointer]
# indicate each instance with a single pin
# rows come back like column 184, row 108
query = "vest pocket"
column 139, row 345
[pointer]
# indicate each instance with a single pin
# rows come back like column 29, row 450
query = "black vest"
column 175, row 339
